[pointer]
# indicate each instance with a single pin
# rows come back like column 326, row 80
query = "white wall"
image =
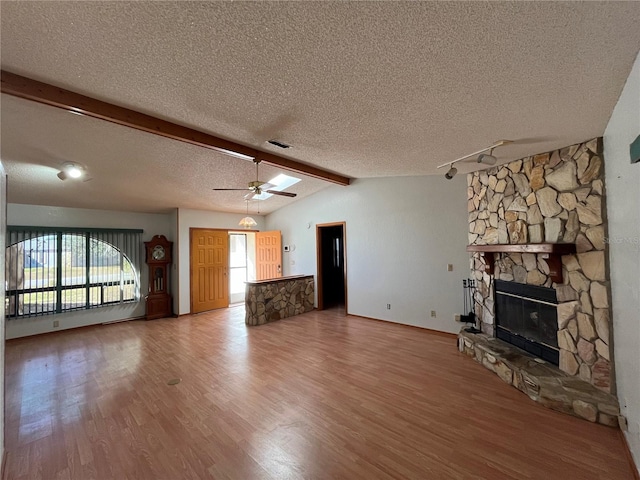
column 623, row 209
column 3, row 218
column 199, row 219
column 43, row 216
column 401, row 233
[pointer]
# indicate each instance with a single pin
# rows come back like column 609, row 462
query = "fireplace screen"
column 526, row 316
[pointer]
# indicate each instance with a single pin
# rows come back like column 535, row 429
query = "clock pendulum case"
column 158, row 257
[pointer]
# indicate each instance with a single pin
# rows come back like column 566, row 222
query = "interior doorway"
column 332, row 265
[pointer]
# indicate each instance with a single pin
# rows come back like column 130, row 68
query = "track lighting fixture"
column 486, row 159
column 451, row 173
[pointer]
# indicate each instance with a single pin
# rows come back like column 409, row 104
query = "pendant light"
column 248, row 222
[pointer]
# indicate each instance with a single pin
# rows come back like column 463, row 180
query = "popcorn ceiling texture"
column 554, row 197
column 129, row 170
column 366, row 89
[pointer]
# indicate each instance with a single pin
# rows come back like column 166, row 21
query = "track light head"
column 451, row 173
column 487, row 159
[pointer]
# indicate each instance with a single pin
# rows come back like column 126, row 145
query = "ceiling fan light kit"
column 483, row 158
column 257, row 188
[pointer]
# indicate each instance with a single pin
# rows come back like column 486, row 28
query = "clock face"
column 158, row 252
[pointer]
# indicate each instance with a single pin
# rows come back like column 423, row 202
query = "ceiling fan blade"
column 282, row 194
column 266, row 186
column 249, row 196
column 230, row 189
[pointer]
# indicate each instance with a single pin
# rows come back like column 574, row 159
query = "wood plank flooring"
column 320, row 396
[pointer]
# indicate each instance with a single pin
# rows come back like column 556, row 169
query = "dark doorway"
column 332, row 269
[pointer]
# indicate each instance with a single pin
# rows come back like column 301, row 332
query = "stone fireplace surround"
column 553, row 197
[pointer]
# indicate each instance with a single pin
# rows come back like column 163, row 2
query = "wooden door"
column 209, row 268
column 268, row 255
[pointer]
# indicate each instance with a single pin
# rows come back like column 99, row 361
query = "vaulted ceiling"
column 364, row 89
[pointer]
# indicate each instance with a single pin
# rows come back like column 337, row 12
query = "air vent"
column 280, row 144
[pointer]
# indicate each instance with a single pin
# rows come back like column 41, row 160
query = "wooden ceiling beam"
column 29, row 89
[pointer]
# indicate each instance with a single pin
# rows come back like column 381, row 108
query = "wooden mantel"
column 550, row 252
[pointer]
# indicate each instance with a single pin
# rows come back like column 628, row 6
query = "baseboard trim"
column 627, row 451
column 3, row 468
column 121, row 320
column 428, row 330
column 62, row 330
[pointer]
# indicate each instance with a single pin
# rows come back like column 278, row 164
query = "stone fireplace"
column 546, row 217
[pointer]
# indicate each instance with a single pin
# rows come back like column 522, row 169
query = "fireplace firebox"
column 527, row 317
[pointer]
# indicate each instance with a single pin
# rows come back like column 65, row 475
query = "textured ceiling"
column 128, row 169
column 361, row 88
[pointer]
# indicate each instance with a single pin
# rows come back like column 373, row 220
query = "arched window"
column 57, row 270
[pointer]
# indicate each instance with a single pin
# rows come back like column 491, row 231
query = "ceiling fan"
column 257, row 187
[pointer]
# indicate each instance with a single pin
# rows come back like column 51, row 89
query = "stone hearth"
column 541, row 381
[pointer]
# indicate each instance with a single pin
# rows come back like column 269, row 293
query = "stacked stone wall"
column 553, row 197
column 277, row 299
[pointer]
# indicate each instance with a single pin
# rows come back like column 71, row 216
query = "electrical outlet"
column 388, row 306
column 449, row 267
column 56, row 323
column 456, row 317
column 433, row 313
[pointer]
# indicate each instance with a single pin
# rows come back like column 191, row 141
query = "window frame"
column 127, row 242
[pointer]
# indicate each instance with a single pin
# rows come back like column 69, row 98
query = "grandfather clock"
column 158, row 258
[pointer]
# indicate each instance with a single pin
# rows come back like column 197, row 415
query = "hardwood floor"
column 314, row 396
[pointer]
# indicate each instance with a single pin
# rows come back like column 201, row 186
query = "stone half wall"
column 554, row 197
column 270, row 300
